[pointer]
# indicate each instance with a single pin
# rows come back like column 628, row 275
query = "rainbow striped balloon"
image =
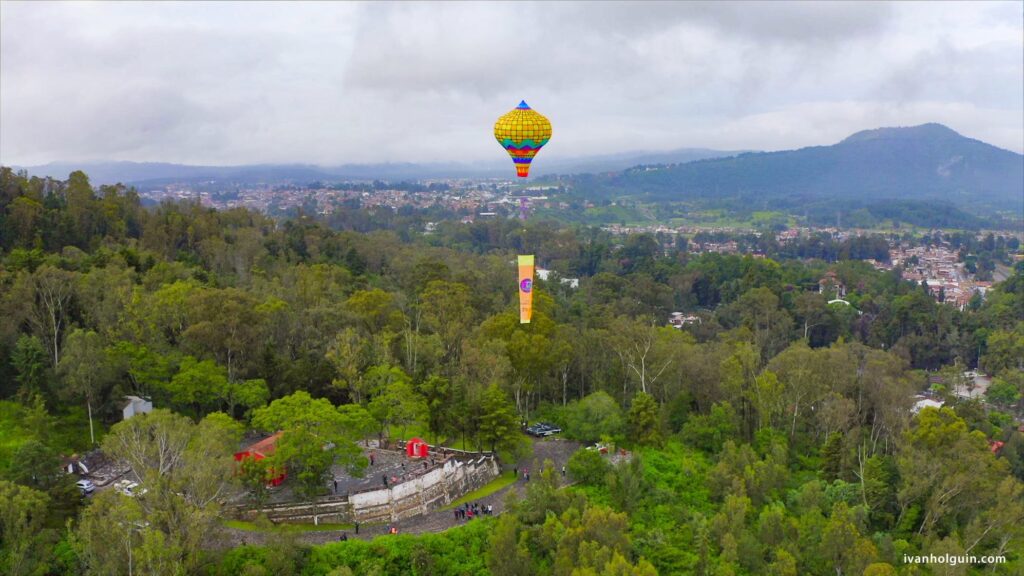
column 522, row 133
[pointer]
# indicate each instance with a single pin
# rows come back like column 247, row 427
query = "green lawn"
column 253, row 527
column 412, row 431
column 420, row 431
column 458, row 444
column 455, row 442
column 506, row 479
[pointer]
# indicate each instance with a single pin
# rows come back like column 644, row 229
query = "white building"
column 974, row 385
column 678, row 319
column 923, row 403
column 570, row 282
column 135, row 405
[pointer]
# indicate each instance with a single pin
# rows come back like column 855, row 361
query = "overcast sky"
column 333, row 83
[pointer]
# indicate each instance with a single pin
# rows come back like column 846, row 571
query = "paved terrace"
column 390, row 463
column 556, row 450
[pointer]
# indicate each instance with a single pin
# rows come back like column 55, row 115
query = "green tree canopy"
column 643, row 421
column 316, row 435
column 593, row 417
column 86, row 371
column 24, row 541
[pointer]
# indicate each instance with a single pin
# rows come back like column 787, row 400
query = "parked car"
column 535, row 430
column 129, row 488
column 85, row 486
column 543, row 430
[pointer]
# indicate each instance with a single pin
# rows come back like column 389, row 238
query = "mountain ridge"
column 128, row 172
column 924, row 162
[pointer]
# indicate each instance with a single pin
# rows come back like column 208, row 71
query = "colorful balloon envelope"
column 522, row 133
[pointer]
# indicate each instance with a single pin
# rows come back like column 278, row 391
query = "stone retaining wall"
column 434, row 489
column 335, row 510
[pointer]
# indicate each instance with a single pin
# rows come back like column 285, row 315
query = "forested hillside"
column 775, row 436
column 913, row 166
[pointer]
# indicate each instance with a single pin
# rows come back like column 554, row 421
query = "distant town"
column 469, row 197
column 939, row 265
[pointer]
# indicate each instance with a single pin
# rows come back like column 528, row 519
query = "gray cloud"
column 340, row 82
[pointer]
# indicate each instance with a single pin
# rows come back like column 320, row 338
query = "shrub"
column 587, row 467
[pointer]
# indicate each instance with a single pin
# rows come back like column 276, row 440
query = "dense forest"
column 774, row 436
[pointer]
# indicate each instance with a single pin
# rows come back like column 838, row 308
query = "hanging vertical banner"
column 525, row 288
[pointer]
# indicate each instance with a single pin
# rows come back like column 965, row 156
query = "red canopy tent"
column 416, row 448
column 261, row 450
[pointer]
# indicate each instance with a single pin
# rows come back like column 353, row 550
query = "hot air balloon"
column 522, row 132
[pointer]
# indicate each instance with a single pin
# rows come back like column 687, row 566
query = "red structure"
column 416, row 448
column 261, row 450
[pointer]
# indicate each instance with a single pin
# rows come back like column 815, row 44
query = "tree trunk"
column 56, row 335
column 565, row 387
column 92, row 434
column 526, row 407
column 796, row 412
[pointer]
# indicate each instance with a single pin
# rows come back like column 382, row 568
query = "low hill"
column 926, row 163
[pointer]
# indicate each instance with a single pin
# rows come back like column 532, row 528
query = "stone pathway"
column 554, row 449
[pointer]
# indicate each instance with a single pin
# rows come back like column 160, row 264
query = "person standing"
column 335, row 485
column 357, row 526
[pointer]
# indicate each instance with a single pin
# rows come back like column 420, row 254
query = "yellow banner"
column 525, row 289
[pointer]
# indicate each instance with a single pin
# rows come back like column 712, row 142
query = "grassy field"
column 420, row 431
column 506, row 479
column 415, row 430
column 254, row 527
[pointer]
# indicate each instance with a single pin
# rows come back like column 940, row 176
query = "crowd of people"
column 469, row 511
